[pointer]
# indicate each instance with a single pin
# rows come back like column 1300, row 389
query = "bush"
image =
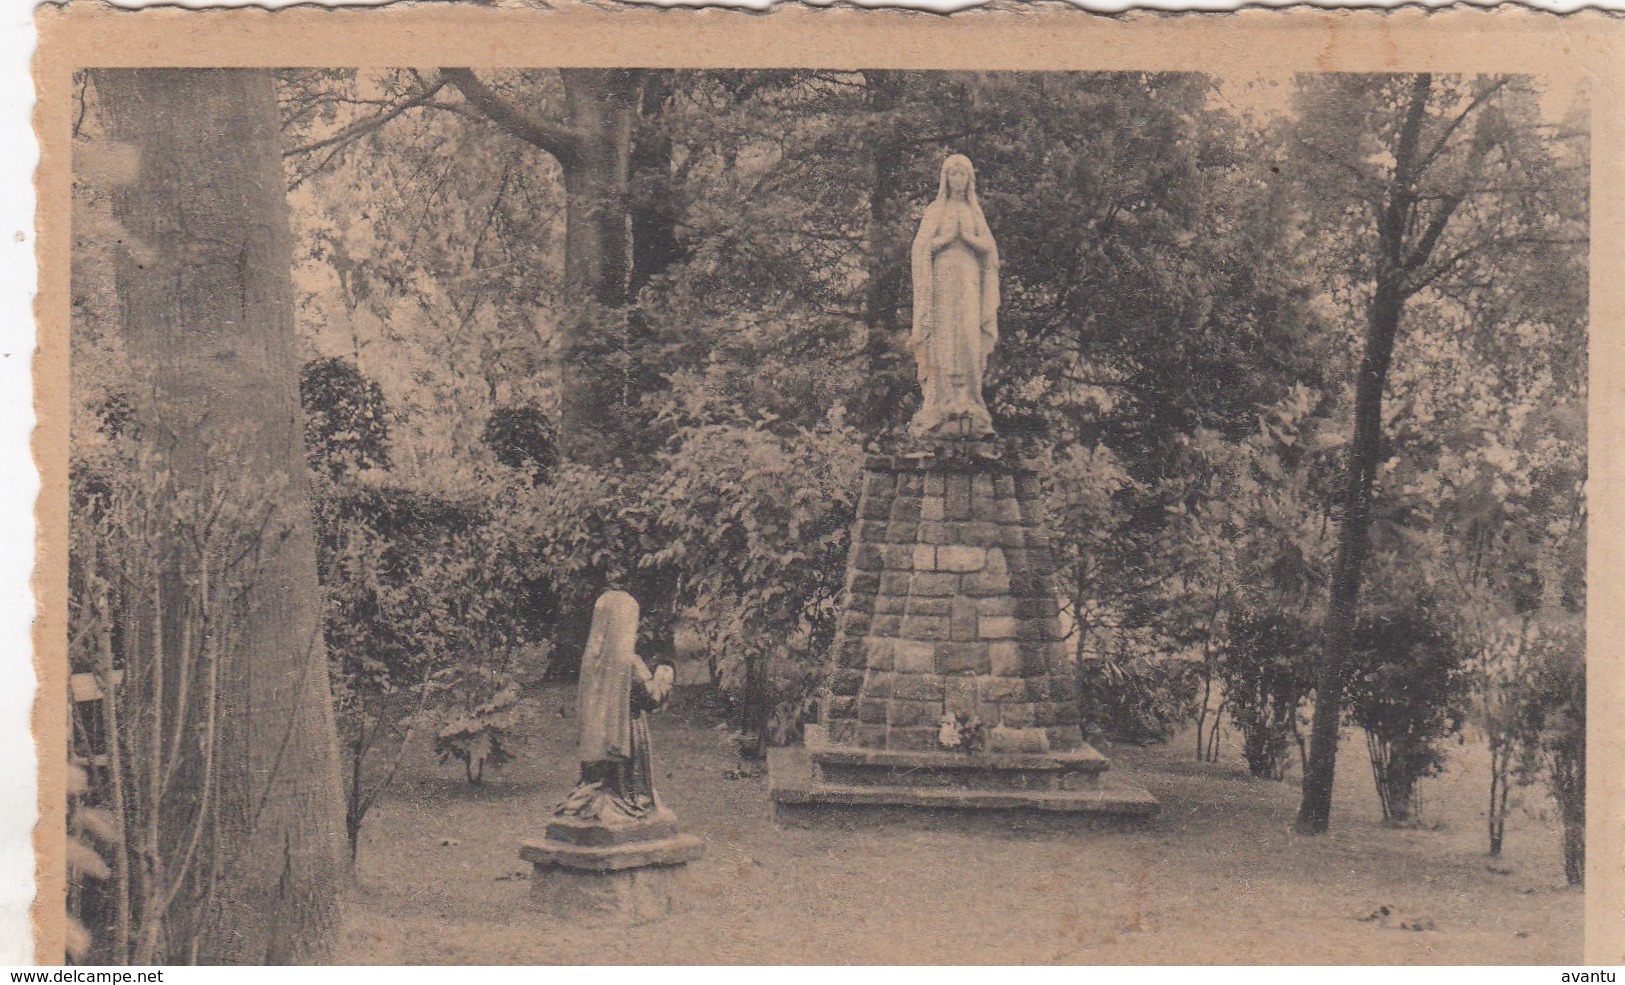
column 1267, row 674
column 1408, row 691
column 1139, row 698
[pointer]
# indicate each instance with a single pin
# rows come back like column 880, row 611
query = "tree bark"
column 205, row 285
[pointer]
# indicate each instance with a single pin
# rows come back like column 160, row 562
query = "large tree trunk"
column 204, row 282
column 602, row 108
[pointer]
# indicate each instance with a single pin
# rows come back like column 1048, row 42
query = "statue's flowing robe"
column 956, row 304
column 612, row 730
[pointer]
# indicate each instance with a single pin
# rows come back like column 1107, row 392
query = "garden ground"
column 1218, row 877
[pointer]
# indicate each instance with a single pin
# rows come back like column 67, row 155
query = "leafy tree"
column 1410, row 178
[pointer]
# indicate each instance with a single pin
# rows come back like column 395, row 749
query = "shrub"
column 1266, row 672
column 1408, row 691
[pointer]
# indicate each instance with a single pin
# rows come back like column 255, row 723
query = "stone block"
column 1067, row 713
column 981, row 493
column 911, row 657
column 876, row 684
column 1004, row 658
column 1017, row 714
column 935, row 584
column 1001, row 689
column 897, row 557
column 925, row 557
column 960, row 558
column 980, row 533
column 936, row 533
column 959, row 694
column 872, row 736
column 1043, row 713
column 912, row 714
column 875, row 508
column 962, row 620
column 837, row 706
column 985, row 583
column 997, row 562
column 906, row 509
column 844, row 731
column 910, row 484
column 896, row 583
column 1006, row 511
column 1026, row 487
column 845, row 681
column 935, row 484
column 1064, row 737
column 913, row 739
column 962, row 658
column 925, row 627
column 933, row 509
column 958, row 497
column 891, row 605
column 877, row 653
column 871, row 532
column 921, row 605
column 902, row 532
column 1038, row 689
column 872, row 711
column 1034, row 659
column 879, row 485
column 1012, row 535
column 1004, row 486
column 867, row 557
column 996, row 605
column 856, row 622
column 885, row 624
column 862, row 583
column 996, row 627
column 849, row 654
column 917, row 687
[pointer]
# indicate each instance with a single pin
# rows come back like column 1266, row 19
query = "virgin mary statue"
column 956, row 304
column 616, row 691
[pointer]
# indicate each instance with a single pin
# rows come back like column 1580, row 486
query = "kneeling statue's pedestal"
column 593, row 871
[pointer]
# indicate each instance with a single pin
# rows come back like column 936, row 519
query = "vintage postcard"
column 536, row 486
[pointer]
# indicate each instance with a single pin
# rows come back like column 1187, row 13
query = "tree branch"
column 555, row 138
column 363, row 127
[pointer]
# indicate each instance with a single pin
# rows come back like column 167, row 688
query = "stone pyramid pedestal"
column 950, row 685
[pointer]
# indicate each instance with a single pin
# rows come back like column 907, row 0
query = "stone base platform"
column 590, row 871
column 1071, row 782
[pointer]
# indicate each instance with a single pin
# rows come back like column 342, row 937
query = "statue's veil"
column 603, row 705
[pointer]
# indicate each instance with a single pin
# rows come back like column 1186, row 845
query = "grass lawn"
column 1218, row 877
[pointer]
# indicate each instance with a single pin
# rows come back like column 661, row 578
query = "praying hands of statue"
column 960, row 228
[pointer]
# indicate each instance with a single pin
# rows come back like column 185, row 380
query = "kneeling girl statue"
column 617, row 690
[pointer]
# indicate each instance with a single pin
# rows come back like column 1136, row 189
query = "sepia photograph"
column 885, row 513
